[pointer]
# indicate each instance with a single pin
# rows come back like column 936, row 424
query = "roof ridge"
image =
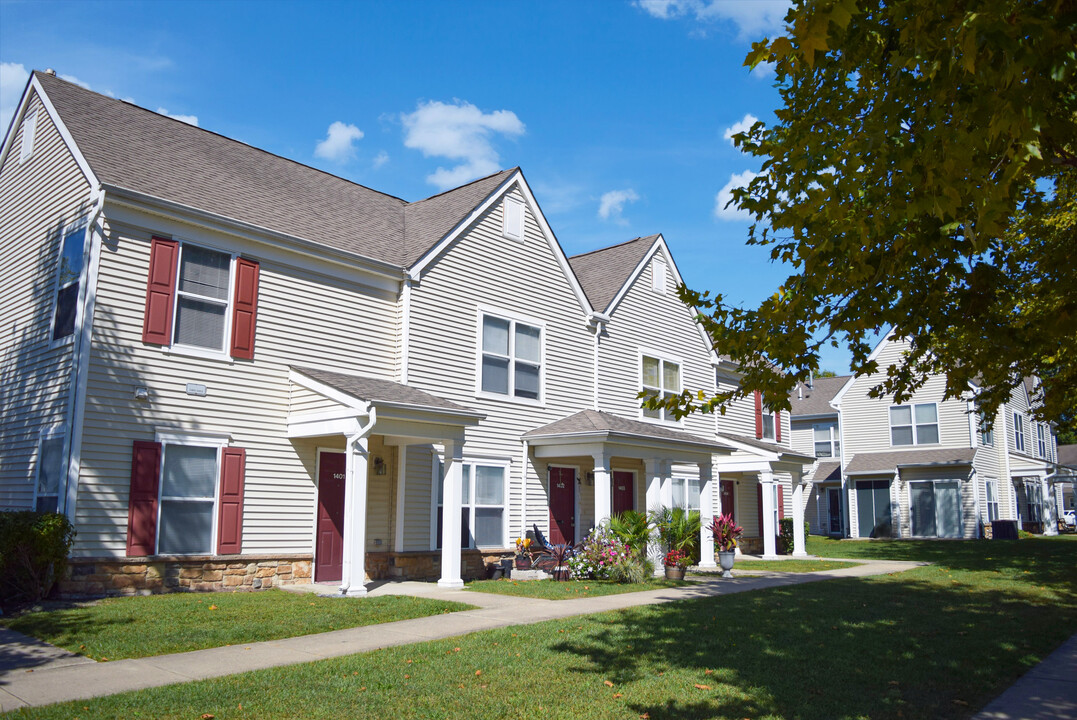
column 611, row 247
column 224, row 137
column 467, row 184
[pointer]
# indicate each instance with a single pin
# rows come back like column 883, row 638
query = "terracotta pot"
column 674, row 573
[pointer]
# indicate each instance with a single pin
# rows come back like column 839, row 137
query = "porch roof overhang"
column 763, row 450
column 592, row 431
column 882, row 463
column 402, row 413
column 827, row 471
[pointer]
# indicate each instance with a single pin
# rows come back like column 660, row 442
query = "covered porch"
column 361, row 428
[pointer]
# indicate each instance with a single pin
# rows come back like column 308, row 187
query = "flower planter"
column 674, row 573
column 725, row 560
column 523, row 562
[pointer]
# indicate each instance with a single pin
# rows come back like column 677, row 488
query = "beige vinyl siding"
column 304, row 319
column 38, row 198
column 419, row 499
column 739, row 418
column 303, row 400
column 482, row 268
column 647, row 322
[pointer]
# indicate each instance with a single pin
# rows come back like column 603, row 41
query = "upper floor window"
column 658, row 276
column 1041, row 440
column 914, row 424
column 768, row 424
column 660, row 378
column 201, row 299
column 68, row 279
column 513, row 211
column 511, row 358
column 50, row 467
column 1019, row 431
column 29, row 130
column 987, row 434
column 827, row 442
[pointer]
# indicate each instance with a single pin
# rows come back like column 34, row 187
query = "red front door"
column 329, row 548
column 728, row 506
column 624, row 487
column 562, row 505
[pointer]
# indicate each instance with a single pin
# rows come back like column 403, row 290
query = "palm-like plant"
column 678, row 529
column 634, row 529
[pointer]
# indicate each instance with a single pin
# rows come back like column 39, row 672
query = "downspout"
column 80, row 360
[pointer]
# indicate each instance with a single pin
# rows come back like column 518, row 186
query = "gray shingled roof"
column 827, row 471
column 130, row 147
column 602, row 273
column 890, row 461
column 1067, row 455
column 385, row 391
column 595, row 421
column 815, row 400
column 767, row 445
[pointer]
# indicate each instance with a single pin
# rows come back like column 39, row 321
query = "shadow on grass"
column 914, row 647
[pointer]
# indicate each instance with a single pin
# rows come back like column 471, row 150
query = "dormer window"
column 513, row 219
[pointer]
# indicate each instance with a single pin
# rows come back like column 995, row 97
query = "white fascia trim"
column 332, row 393
column 222, row 223
column 836, row 401
column 465, row 415
column 415, row 271
column 56, row 121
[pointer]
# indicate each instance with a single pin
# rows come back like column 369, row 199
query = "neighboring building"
column 232, row 370
column 927, row 467
column 1067, row 478
column 816, row 431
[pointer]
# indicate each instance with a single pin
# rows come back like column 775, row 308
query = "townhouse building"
column 229, row 369
column 929, row 467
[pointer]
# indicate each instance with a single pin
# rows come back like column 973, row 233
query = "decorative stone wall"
column 427, row 565
column 94, row 577
column 752, row 545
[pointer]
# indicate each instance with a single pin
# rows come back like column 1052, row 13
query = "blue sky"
column 616, row 111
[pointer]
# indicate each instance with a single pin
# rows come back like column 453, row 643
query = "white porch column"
column 798, row 514
column 1050, row 517
column 1017, row 500
column 603, row 488
column 353, row 572
column 706, row 515
column 766, row 480
column 653, row 469
column 666, row 496
column 452, row 496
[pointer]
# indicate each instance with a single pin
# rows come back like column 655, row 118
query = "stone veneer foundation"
column 94, row 577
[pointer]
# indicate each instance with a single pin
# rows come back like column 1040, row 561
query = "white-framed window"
column 203, row 299
column 50, row 469
column 659, row 377
column 513, row 221
column 1041, row 440
column 29, row 130
column 510, row 357
column 987, row 434
column 188, row 489
column 686, row 492
column 914, row 424
column 769, row 423
column 992, row 500
column 827, row 441
column 483, row 513
column 658, row 276
column 70, row 267
column 1019, row 431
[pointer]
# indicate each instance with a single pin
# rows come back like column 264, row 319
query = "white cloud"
column 751, row 17
column 612, row 204
column 737, row 180
column 189, row 119
column 458, row 131
column 763, row 71
column 13, row 77
column 380, row 159
column 73, row 79
column 738, row 127
column 339, row 143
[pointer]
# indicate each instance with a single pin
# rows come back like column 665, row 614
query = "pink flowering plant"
column 599, row 555
column 678, row 558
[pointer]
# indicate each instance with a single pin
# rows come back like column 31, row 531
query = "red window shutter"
column 142, row 502
column 230, row 514
column 781, row 501
column 778, row 426
column 160, row 292
column 758, row 415
column 245, row 309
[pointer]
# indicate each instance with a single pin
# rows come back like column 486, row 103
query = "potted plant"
column 523, row 553
column 676, row 562
column 726, row 532
column 678, row 529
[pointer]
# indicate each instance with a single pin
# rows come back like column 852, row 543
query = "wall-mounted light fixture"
column 379, row 466
column 142, row 393
column 590, row 477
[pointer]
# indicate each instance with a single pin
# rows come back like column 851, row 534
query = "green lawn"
column 159, row 624
column 792, row 566
column 567, row 590
column 934, row 642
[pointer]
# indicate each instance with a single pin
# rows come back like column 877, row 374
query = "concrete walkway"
column 1046, row 692
column 60, row 676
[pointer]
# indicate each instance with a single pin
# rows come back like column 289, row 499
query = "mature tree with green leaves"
column 921, row 176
